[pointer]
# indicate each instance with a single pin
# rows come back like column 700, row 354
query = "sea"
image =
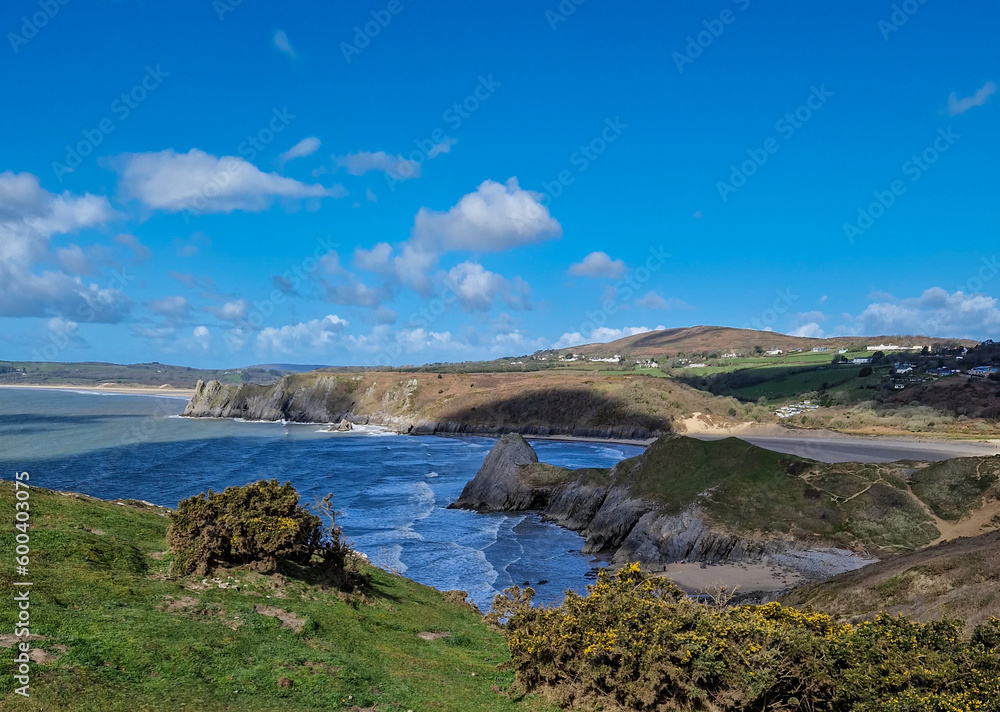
column 392, row 491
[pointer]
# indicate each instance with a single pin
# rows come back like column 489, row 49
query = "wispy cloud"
column 282, row 44
column 202, row 183
column 305, row 147
column 958, row 106
column 357, row 164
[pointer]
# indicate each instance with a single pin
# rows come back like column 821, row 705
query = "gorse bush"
column 255, row 526
column 638, row 643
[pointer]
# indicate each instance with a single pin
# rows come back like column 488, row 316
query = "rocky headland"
column 726, row 502
column 457, row 404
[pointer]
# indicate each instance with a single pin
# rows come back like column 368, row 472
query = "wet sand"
column 834, row 447
column 746, row 578
column 165, row 391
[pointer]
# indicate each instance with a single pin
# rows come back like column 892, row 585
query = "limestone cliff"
column 424, row 405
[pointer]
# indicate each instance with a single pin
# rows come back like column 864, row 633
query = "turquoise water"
column 391, row 489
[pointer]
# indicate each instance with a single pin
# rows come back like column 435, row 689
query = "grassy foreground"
column 119, row 634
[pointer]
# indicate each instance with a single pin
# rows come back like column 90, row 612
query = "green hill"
column 119, row 633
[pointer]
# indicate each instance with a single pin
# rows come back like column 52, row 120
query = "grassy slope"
column 103, row 596
column 746, row 489
column 554, row 398
column 955, row 579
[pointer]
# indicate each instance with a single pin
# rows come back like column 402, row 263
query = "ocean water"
column 392, row 490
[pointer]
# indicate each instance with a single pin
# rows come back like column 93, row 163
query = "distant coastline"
column 116, row 389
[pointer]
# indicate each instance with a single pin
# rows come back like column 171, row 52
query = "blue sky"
column 223, row 183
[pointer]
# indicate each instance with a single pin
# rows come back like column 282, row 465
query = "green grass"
column 100, row 593
column 747, row 489
column 953, row 488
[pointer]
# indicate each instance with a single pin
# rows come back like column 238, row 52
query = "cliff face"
column 419, row 406
column 601, row 506
column 496, row 487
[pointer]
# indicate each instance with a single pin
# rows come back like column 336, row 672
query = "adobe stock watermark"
column 698, row 43
column 914, row 168
column 364, row 34
column 224, row 7
column 985, row 274
column 766, row 320
column 122, row 108
column 562, row 12
column 455, row 117
column 249, row 149
column 900, row 15
column 263, row 309
column 582, row 158
column 786, row 127
column 30, row 26
column 625, row 290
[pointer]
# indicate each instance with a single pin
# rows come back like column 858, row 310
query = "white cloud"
column 315, row 335
column 72, row 260
column 140, row 252
column 282, row 44
column 202, row 183
column 601, row 335
column 398, row 167
column 810, row 330
column 202, row 337
column 652, row 300
column 305, row 147
column 443, row 147
column 29, row 217
column 354, row 294
column 477, row 288
column 933, row 313
column 598, row 264
column 235, row 310
column 370, row 196
column 172, row 307
column 958, row 106
column 494, row 218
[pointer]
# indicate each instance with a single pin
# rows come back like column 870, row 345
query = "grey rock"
column 496, row 486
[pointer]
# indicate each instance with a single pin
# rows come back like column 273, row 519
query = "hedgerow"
column 639, row 643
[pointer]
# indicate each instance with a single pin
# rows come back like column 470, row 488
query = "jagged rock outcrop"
column 614, row 521
column 496, row 486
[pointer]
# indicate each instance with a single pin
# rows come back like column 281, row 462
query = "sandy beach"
column 163, row 391
column 746, row 578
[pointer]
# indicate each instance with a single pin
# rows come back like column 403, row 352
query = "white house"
column 773, row 352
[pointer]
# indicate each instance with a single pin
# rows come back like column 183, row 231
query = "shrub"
column 255, row 525
column 638, row 643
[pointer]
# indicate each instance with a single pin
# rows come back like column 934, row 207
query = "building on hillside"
column 902, row 368
column 820, row 349
column 611, row 359
column 647, row 363
column 983, row 371
column 841, row 351
column 773, row 352
column 696, row 365
column 894, row 347
column 861, row 360
column 731, row 355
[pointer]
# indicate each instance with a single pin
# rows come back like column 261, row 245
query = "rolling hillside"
column 721, row 339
